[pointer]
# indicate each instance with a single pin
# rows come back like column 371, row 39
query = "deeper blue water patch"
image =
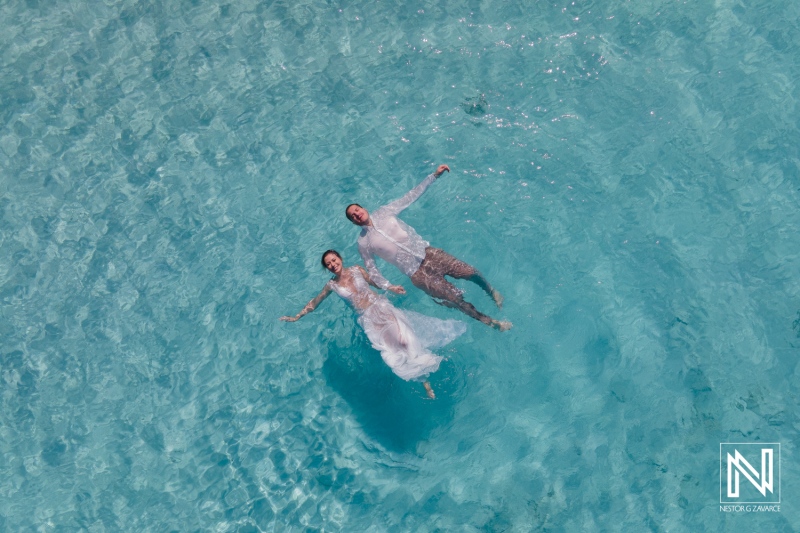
column 170, row 173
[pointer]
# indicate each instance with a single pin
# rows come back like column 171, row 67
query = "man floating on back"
column 394, row 241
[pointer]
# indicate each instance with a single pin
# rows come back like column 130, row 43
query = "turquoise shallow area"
column 626, row 173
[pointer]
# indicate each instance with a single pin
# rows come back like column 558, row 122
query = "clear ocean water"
column 626, row 173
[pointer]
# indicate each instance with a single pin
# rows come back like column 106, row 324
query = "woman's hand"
column 441, row 170
column 290, row 318
column 397, row 289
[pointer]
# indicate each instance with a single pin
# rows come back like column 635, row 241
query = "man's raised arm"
column 411, row 196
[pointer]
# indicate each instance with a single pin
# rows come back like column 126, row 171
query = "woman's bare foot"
column 498, row 298
column 429, row 390
column 502, row 325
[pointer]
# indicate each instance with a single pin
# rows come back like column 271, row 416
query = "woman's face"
column 333, row 263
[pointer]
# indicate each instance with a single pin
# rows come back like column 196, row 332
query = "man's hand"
column 441, row 170
column 397, row 289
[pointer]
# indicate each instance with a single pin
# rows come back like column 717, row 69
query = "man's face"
column 358, row 215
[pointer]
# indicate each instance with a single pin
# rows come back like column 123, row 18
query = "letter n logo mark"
column 738, row 464
column 736, row 461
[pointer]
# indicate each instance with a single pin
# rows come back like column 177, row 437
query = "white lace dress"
column 404, row 338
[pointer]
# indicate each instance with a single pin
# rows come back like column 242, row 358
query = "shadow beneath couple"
column 396, row 413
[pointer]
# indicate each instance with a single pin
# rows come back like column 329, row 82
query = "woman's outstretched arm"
column 394, row 288
column 310, row 306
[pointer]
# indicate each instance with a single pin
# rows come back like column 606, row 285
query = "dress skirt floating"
column 404, row 338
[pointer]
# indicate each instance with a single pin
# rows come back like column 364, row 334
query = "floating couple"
column 403, row 337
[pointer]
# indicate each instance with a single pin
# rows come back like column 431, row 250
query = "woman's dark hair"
column 346, row 209
column 334, row 252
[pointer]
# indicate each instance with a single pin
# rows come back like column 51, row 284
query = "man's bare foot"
column 498, row 298
column 429, row 390
column 502, row 325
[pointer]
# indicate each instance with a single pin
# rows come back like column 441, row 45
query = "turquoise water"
column 626, row 173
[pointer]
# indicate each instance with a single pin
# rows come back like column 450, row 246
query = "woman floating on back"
column 402, row 337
